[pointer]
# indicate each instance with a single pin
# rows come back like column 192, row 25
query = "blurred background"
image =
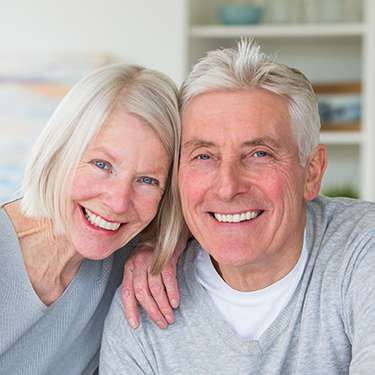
column 46, row 46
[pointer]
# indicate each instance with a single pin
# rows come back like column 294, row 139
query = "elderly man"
column 279, row 280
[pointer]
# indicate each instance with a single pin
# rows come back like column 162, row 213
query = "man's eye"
column 260, row 154
column 148, row 180
column 101, row 164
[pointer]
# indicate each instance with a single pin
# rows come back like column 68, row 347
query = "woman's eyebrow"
column 159, row 169
column 105, row 151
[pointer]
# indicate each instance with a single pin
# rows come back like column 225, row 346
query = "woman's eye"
column 148, row 180
column 102, row 164
column 203, row 157
column 260, row 154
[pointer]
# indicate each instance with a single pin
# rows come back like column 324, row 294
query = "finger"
column 128, row 298
column 145, row 298
column 169, row 272
column 159, row 294
column 170, row 283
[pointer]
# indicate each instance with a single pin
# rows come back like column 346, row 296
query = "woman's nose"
column 118, row 196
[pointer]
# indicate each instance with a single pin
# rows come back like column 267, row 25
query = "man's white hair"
column 247, row 67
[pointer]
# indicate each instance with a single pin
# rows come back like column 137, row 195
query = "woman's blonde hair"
column 146, row 93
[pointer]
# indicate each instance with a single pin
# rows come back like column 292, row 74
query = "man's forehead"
column 240, row 105
column 241, row 118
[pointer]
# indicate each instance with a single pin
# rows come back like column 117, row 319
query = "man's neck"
column 252, row 277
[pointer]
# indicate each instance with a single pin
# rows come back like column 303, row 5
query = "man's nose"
column 230, row 181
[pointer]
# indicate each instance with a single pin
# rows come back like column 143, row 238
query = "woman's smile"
column 97, row 221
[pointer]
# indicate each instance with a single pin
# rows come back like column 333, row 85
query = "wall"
column 47, row 38
column 143, row 31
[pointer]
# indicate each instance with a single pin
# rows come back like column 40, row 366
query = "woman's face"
column 117, row 186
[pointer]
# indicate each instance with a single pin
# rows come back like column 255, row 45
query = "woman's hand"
column 158, row 295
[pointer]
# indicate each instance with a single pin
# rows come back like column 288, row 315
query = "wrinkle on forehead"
column 245, row 118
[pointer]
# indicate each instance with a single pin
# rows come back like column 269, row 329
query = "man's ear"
column 315, row 168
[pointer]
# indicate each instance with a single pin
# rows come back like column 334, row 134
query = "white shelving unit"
column 342, row 138
column 347, row 52
column 279, row 31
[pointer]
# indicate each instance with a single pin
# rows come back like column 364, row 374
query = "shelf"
column 327, row 53
column 286, row 31
column 341, row 137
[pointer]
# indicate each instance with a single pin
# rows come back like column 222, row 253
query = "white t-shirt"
column 248, row 313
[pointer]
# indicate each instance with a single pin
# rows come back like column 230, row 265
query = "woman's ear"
column 315, row 168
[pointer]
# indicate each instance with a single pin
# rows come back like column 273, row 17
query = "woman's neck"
column 51, row 261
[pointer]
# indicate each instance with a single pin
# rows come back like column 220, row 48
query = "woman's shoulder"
column 23, row 226
column 8, row 233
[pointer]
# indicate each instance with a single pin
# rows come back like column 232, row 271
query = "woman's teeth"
column 100, row 222
column 236, row 218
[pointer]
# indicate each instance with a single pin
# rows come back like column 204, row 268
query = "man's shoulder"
column 339, row 204
column 342, row 216
column 188, row 299
column 343, row 206
column 186, row 263
column 116, row 312
column 341, row 237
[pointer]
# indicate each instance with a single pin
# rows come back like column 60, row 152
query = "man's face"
column 241, row 183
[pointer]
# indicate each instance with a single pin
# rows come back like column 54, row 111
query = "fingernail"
column 174, row 303
column 133, row 323
column 161, row 324
column 170, row 318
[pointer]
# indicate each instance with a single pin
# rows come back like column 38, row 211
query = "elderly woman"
column 101, row 172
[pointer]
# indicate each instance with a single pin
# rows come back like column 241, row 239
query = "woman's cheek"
column 86, row 185
column 148, row 202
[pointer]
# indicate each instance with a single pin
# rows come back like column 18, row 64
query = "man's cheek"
column 191, row 192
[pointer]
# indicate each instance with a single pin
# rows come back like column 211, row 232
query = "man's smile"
column 237, row 217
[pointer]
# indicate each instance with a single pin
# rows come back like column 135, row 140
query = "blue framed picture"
column 340, row 106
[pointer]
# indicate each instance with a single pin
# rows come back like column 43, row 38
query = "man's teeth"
column 100, row 222
column 236, row 218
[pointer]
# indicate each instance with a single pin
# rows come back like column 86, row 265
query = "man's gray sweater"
column 327, row 328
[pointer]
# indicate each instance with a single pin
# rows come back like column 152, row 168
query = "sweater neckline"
column 218, row 324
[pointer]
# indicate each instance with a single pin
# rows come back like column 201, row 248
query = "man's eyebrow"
column 196, row 142
column 262, row 141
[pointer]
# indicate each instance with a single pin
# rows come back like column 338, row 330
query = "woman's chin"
column 94, row 253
